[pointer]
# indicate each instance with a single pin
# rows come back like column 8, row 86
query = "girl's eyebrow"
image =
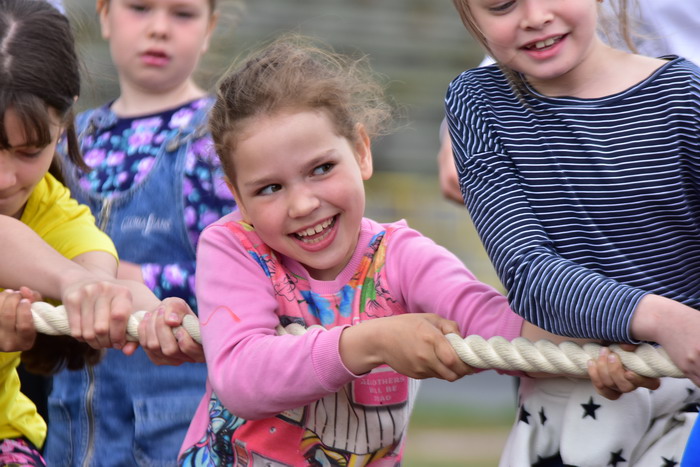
column 311, row 164
column 258, row 182
column 320, row 159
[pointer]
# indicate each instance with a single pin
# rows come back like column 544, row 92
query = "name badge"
column 381, row 387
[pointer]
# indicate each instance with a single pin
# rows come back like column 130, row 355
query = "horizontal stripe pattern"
column 584, row 205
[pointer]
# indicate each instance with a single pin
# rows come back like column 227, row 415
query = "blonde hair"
column 294, row 73
column 517, row 81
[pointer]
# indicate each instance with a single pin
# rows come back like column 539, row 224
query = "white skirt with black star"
column 566, row 422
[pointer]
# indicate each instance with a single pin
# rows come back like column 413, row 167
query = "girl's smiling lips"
column 316, row 232
column 544, row 43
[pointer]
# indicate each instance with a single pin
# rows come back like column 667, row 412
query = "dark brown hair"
column 294, row 73
column 39, row 70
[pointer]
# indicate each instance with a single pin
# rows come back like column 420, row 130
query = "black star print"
column 616, row 457
column 690, row 406
column 543, row 417
column 553, row 461
column 590, row 408
column 524, row 414
column 669, row 462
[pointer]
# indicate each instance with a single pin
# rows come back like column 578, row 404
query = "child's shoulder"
column 96, row 117
column 234, row 217
column 692, row 69
column 393, row 231
column 480, row 86
column 480, row 76
column 374, row 226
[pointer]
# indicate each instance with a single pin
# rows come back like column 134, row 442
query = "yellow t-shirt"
column 70, row 229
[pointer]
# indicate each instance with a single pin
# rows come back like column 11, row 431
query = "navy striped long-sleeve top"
column 584, row 205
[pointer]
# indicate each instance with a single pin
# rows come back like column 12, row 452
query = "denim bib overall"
column 127, row 411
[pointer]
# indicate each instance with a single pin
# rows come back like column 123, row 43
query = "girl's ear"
column 237, row 197
column 363, row 151
column 213, row 20
column 103, row 11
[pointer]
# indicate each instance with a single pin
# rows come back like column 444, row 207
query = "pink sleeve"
column 255, row 373
column 432, row 280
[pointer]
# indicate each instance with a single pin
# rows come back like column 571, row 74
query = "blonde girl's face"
column 22, row 165
column 300, row 185
column 543, row 39
column 156, row 44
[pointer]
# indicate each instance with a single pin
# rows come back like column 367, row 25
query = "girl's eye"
column 502, row 7
column 269, row 189
column 137, row 7
column 323, row 168
column 185, row 14
column 29, row 152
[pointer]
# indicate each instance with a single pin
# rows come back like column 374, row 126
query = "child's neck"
column 610, row 71
column 134, row 101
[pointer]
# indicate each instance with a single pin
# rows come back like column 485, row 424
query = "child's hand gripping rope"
column 495, row 353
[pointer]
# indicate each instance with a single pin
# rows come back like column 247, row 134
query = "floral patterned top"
column 123, row 154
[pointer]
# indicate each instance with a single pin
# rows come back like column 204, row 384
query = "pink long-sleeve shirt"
column 258, row 378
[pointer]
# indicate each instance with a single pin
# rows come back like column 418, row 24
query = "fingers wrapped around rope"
column 53, row 321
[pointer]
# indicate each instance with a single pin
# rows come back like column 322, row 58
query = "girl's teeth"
column 315, row 229
column 543, row 44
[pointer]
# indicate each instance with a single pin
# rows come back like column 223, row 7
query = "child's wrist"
column 358, row 349
column 71, row 277
column 647, row 317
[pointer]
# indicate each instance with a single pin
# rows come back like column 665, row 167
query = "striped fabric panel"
column 584, row 205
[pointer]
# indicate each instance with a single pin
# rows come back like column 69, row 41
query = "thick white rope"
column 495, row 353
column 53, row 320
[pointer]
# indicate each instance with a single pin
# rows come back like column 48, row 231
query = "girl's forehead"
column 27, row 129
column 210, row 4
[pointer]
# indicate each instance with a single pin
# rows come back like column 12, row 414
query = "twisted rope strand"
column 494, row 353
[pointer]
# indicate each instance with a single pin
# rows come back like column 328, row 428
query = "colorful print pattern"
column 19, row 452
column 353, row 427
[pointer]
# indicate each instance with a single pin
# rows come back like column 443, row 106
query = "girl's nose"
column 302, row 202
column 536, row 14
column 159, row 25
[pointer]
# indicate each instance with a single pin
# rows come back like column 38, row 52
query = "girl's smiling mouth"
column 543, row 44
column 317, row 232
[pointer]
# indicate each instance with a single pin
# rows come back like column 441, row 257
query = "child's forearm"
column 27, row 260
column 534, row 333
column 673, row 325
